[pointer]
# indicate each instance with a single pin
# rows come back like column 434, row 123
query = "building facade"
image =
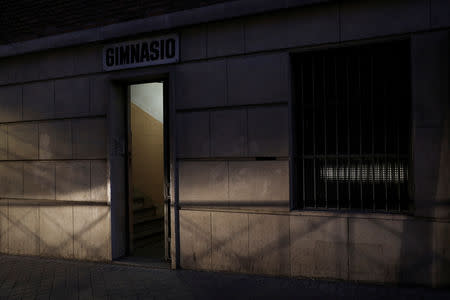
column 296, row 138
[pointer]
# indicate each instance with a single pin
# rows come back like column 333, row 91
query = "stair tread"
column 152, row 240
column 147, row 233
column 146, row 219
column 148, row 224
column 144, row 209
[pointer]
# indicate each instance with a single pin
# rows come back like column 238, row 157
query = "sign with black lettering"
column 147, row 52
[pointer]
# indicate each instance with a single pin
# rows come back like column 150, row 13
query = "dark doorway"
column 148, row 173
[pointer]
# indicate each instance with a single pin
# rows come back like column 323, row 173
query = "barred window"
column 352, row 123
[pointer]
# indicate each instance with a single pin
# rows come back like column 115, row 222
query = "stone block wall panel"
column 230, row 242
column 390, row 250
column 92, row 233
column 89, row 138
column 269, row 244
column 39, row 100
column 225, row 38
column 366, row 19
column 257, row 79
column 430, row 77
column 88, row 59
column 201, row 84
column 11, row 179
column 268, row 131
column 27, row 67
column 259, row 184
column 60, row 63
column 431, row 173
column 3, row 142
column 23, row 141
column 203, row 183
column 195, row 240
column 23, row 230
column 72, row 97
column 193, row 43
column 441, row 270
column 431, row 115
column 55, row 140
column 294, row 28
column 440, row 10
column 39, row 180
column 4, row 226
column 99, row 95
column 229, row 133
column 10, row 103
column 319, row 247
column 56, row 231
column 73, row 180
column 193, row 134
column 99, row 181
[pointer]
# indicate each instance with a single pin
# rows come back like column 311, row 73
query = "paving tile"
column 21, row 275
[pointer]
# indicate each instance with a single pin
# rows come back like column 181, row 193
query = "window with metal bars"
column 352, row 125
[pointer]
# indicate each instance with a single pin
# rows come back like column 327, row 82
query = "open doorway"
column 148, row 173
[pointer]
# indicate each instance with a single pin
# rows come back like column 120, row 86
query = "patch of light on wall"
column 396, row 173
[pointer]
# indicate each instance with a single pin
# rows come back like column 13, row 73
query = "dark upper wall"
column 22, row 20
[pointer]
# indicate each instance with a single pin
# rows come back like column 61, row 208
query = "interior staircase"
column 148, row 227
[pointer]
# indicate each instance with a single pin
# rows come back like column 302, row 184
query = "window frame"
column 295, row 156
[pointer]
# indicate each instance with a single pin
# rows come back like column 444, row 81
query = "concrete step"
column 138, row 202
column 144, row 215
column 148, row 229
column 153, row 240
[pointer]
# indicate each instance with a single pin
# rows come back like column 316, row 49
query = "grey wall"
column 232, row 101
column 232, row 98
column 53, row 167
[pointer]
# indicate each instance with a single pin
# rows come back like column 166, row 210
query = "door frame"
column 117, row 109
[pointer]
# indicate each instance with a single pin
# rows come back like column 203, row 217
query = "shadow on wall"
column 55, row 208
column 432, row 198
column 55, row 230
column 376, row 248
column 255, row 243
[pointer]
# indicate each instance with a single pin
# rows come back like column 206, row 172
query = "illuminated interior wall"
column 148, row 143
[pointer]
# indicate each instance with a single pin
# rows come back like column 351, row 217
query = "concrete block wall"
column 53, row 162
column 219, row 140
column 232, row 99
column 232, row 103
column 232, row 151
column 362, row 247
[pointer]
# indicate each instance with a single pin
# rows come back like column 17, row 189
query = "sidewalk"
column 39, row 278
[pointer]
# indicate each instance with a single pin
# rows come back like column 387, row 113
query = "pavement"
column 23, row 277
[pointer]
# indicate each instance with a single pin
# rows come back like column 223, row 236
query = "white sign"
column 147, row 52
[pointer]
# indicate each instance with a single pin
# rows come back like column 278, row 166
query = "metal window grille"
column 352, row 128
